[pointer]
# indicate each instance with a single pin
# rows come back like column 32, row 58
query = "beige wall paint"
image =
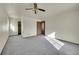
column 4, row 25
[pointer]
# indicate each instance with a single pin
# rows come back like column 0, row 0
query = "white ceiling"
column 18, row 9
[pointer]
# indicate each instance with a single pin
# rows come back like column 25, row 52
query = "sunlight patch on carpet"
column 56, row 43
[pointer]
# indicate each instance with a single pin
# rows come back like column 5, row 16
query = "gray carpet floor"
column 37, row 45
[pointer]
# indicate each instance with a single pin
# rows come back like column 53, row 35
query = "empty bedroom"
column 39, row 28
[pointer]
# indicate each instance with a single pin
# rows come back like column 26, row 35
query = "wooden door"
column 40, row 27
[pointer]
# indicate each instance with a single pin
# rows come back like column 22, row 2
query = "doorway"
column 40, row 27
column 19, row 27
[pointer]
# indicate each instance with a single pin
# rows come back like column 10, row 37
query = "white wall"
column 28, row 18
column 65, row 23
column 28, row 27
column 14, row 16
column 4, row 25
column 14, row 25
column 59, row 18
